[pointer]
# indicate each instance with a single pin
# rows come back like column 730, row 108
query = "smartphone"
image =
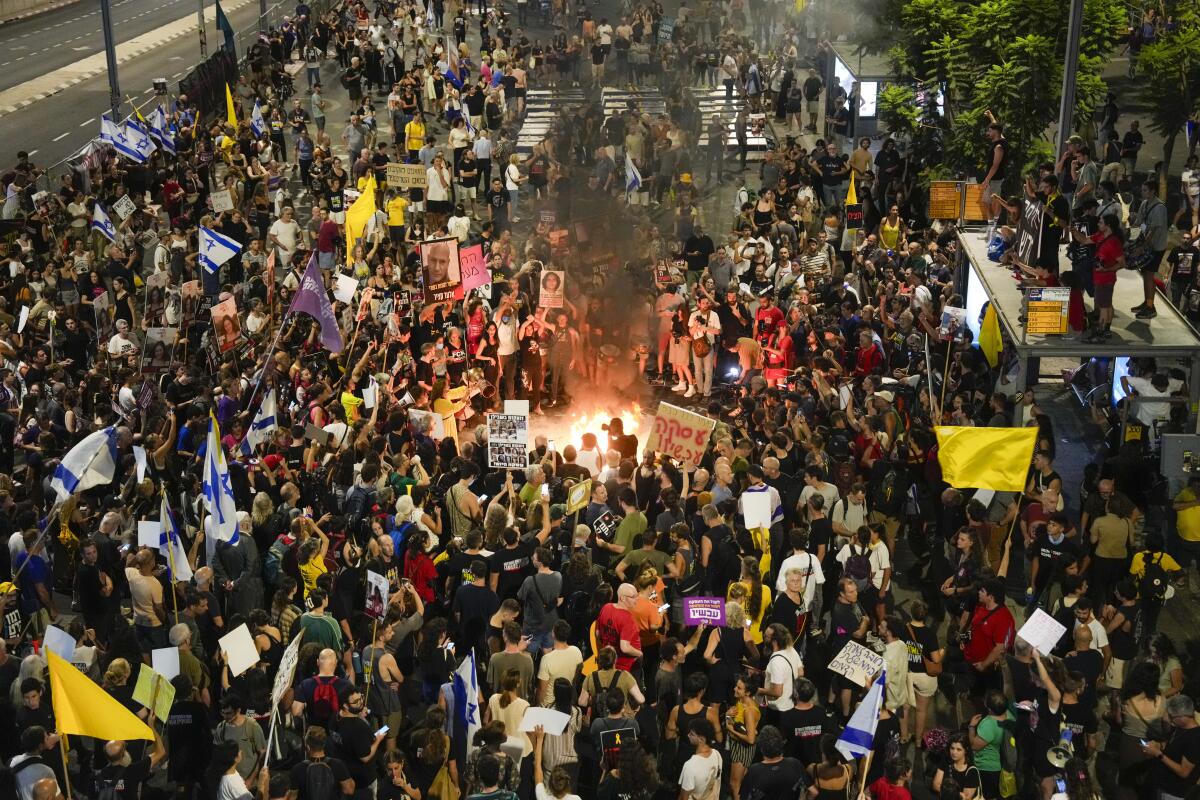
column 448, row 645
column 545, row 490
column 482, row 497
column 664, row 608
column 1143, row 742
column 382, row 730
column 550, row 445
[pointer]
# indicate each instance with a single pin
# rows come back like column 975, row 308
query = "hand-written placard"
column 856, row 663
column 406, row 176
column 125, row 206
column 1042, row 631
column 680, row 434
column 474, row 267
column 1029, row 232
column 221, row 201
column 153, row 688
column 704, row 611
column 287, row 670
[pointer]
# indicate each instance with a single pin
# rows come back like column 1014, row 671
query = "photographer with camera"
column 986, row 634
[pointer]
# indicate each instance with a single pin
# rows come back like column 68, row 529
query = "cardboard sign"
column 1042, row 632
column 155, row 692
column 605, row 526
column 125, row 206
column 344, row 288
column 953, row 324
column 287, row 670
column 377, row 594
column 680, row 434
column 221, row 201
column 756, row 509
column 704, row 611
column 364, row 305
column 508, row 441
column 406, row 176
column 579, row 496
column 419, row 419
column 149, row 533
column 474, row 267
column 165, row 661
column 315, row 434
column 945, row 199
column 856, row 663
column 441, row 270
column 239, row 647
column 1029, row 232
column 553, row 722
column 553, row 283
column 854, row 216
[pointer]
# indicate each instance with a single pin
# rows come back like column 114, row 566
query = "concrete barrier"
column 13, row 10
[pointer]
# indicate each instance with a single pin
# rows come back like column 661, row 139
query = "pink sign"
column 474, row 269
column 704, row 611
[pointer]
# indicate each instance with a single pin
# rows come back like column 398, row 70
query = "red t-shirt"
column 882, row 790
column 1108, row 253
column 616, row 625
column 988, row 629
column 766, row 321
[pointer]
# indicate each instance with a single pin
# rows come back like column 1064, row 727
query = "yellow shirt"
column 1136, row 567
column 414, row 135
column 1188, row 521
column 395, row 211
column 757, row 622
column 309, row 572
column 351, row 402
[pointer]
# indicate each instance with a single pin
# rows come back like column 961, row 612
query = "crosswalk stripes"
column 712, row 103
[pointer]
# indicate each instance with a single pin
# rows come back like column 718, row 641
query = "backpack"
column 273, row 563
column 1153, row 586
column 889, row 493
column 599, row 699
column 1008, row 746
column 319, row 780
column 858, row 566
column 838, row 445
column 324, row 705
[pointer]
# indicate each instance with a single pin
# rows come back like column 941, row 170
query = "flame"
column 572, row 429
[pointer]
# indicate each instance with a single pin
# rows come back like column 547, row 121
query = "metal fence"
column 244, row 39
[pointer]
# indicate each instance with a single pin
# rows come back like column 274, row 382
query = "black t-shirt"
column 922, row 641
column 125, row 781
column 512, row 565
column 1184, row 743
column 820, row 532
column 802, row 730
column 830, row 166
column 697, row 251
column 1053, row 557
column 1183, row 263
column 598, row 54
column 353, row 740
column 781, row 779
column 812, row 88
column 299, row 775
column 93, row 603
column 1089, row 664
column 844, row 621
column 188, row 732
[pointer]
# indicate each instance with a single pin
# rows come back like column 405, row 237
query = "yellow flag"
column 986, row 458
column 357, row 216
column 230, row 112
column 851, row 193
column 81, row 707
column 990, row 341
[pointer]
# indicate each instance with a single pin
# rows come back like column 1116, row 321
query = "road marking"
column 85, row 47
column 89, row 122
column 33, row 152
column 60, row 136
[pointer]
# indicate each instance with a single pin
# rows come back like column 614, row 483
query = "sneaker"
column 691, row 391
column 1147, row 313
column 1139, row 307
column 679, row 387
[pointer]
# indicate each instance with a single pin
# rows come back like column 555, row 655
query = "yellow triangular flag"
column 230, row 108
column 357, row 216
column 81, row 707
column 986, row 458
column 851, row 193
column 990, row 341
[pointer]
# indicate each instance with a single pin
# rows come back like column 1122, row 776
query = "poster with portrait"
column 377, row 595
column 508, row 441
column 227, row 328
column 552, row 284
column 440, row 270
column 156, row 355
column 953, row 324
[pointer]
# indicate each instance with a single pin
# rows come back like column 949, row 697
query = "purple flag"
column 312, row 299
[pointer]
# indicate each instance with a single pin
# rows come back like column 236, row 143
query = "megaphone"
column 1062, row 752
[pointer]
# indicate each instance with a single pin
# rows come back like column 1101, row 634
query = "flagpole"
column 170, row 552
column 66, row 763
column 262, row 377
column 946, row 374
column 866, row 769
column 368, row 672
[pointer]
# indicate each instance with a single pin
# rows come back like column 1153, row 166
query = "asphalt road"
column 57, row 126
column 37, row 45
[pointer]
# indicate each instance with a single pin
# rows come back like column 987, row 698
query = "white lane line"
column 60, row 136
column 89, row 122
column 33, row 152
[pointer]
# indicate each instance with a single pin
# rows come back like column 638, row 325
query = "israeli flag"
column 633, row 178
column 139, row 141
column 257, row 123
column 858, row 738
column 466, row 698
column 90, row 463
column 118, row 137
column 216, row 249
column 171, row 545
column 160, row 129
column 102, row 223
column 218, row 491
column 108, row 130
column 264, row 422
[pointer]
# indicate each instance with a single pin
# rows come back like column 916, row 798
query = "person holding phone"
column 357, row 741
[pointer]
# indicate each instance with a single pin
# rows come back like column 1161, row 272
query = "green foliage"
column 1170, row 72
column 897, row 104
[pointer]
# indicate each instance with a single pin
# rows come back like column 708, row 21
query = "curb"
column 36, row 12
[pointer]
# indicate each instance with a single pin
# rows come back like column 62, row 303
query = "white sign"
column 756, row 508
column 553, row 722
column 165, row 661
column 370, row 393
column 221, row 201
column 239, row 649
column 24, row 318
column 287, row 670
column 149, row 534
column 856, row 663
column 1042, row 632
column 59, row 642
column 125, row 206
column 508, row 441
column 516, row 407
column 139, row 457
column 418, row 419
column 344, row 289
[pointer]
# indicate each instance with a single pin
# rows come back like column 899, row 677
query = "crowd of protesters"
column 823, row 355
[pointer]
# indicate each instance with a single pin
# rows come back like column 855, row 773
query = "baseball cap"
column 558, row 511
column 885, row 396
column 8, row 587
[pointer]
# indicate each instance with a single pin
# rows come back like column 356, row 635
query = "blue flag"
column 102, row 223
column 216, row 249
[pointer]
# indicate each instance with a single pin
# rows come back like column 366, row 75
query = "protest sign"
column 428, row 422
column 473, row 266
column 377, row 594
column 441, row 270
column 1029, row 232
column 227, row 326
column 153, row 689
column 579, row 496
column 222, row 201
column 165, row 661
column 287, row 670
column 508, row 441
column 756, row 509
column 344, row 288
column 704, row 611
column 1042, row 632
column 59, row 642
column 856, row 663
column 125, row 205
column 680, row 434
column 406, row 176
column 605, row 526
column 553, row 722
column 148, row 532
column 238, row 646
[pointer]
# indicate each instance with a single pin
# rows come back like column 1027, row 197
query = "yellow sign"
column 972, row 211
column 406, row 176
column 945, row 199
column 579, row 496
column 1046, row 317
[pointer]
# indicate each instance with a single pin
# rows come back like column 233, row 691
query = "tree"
column 1170, row 68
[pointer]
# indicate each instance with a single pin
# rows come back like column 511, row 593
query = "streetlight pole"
column 110, row 57
column 203, row 32
column 1066, row 111
column 262, row 15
